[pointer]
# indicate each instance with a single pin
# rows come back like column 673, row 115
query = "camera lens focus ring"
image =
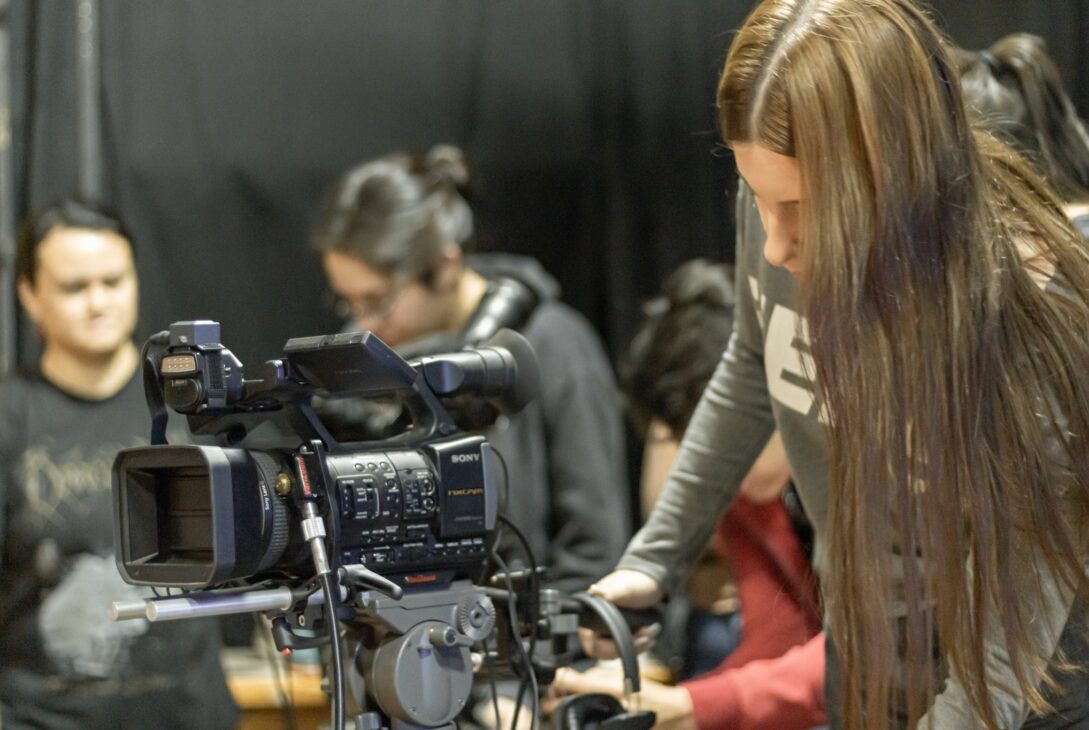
column 275, row 529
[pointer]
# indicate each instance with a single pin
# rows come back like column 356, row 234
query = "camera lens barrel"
column 198, row 516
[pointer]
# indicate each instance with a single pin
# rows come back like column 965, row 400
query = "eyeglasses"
column 369, row 306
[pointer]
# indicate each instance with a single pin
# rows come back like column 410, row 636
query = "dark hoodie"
column 564, row 452
column 568, row 490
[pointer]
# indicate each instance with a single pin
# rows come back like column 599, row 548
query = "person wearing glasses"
column 390, row 238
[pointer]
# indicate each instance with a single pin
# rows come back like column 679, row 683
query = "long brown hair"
column 939, row 359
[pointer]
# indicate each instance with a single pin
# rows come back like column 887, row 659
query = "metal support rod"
column 7, row 200
column 89, row 99
column 198, row 605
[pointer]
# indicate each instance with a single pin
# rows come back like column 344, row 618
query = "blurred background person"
column 663, row 373
column 391, row 239
column 762, row 666
column 63, row 662
column 1015, row 88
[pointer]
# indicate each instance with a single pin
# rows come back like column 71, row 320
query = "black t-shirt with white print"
column 63, row 662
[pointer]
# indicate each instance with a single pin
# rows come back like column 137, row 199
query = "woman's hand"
column 673, row 705
column 626, row 589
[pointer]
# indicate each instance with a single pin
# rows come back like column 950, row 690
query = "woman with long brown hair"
column 917, row 327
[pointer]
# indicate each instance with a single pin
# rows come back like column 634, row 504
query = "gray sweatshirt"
column 760, row 385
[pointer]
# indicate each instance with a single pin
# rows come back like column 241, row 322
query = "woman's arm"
column 765, row 482
column 729, row 428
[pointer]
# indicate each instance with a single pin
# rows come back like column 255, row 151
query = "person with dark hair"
column 774, row 676
column 1015, row 88
column 914, row 321
column 678, row 344
column 63, row 662
column 391, row 240
column 663, row 374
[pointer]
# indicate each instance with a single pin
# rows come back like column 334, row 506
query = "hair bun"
column 448, row 162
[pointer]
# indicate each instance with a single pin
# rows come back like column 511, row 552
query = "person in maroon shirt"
column 774, row 678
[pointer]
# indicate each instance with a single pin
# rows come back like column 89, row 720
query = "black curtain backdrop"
column 591, row 126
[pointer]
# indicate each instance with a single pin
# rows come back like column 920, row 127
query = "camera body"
column 201, row 516
column 417, row 508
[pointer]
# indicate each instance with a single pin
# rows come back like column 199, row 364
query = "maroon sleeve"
column 785, row 693
column 779, row 605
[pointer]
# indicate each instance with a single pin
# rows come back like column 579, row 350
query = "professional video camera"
column 197, row 516
column 270, row 511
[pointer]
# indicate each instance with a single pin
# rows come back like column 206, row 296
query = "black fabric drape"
column 591, row 125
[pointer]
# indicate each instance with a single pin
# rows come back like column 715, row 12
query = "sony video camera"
column 417, row 508
column 380, row 543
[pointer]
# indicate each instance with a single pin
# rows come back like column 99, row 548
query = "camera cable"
column 528, row 663
column 491, row 684
column 313, row 529
column 334, row 647
column 534, row 577
column 534, row 601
